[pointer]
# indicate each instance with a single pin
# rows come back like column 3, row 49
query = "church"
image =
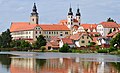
column 29, row 31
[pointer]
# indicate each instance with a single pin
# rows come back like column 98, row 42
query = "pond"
column 32, row 62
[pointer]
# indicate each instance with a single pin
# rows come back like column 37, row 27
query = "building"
column 66, row 41
column 31, row 30
column 87, row 28
column 105, row 27
column 81, row 39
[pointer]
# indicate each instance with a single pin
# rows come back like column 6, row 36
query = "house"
column 113, row 34
column 66, row 41
column 104, row 41
column 105, row 27
column 87, row 28
column 81, row 39
column 53, row 44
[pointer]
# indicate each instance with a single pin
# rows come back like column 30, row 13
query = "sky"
column 52, row 11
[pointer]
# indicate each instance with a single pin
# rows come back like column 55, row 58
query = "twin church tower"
column 71, row 20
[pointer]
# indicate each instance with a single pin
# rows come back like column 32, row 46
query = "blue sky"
column 51, row 11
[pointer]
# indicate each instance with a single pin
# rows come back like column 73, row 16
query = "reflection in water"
column 5, row 60
column 56, row 65
column 60, row 65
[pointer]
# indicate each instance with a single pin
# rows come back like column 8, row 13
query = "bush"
column 65, row 48
column 43, row 48
column 97, row 47
column 102, row 51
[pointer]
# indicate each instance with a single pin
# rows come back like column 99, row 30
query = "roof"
column 89, row 26
column 77, row 36
column 63, row 22
column 54, row 27
column 75, row 20
column 67, row 41
column 113, row 33
column 22, row 26
column 109, row 24
column 119, row 25
column 75, row 27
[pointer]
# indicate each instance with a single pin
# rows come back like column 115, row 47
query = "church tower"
column 34, row 18
column 70, row 18
column 78, row 16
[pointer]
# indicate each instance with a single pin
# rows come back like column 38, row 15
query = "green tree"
column 6, row 39
column 65, row 48
column 115, row 42
column 41, row 41
column 20, row 45
column 0, row 41
column 110, row 20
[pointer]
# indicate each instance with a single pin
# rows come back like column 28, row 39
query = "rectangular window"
column 88, row 41
column 36, row 36
column 66, row 32
column 87, row 37
column 57, row 32
column 49, row 32
column 36, row 32
column 82, row 37
column 40, row 32
column 26, row 32
column 82, row 41
column 29, row 32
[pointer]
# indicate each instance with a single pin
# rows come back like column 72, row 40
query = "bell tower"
column 34, row 18
column 70, row 18
column 78, row 16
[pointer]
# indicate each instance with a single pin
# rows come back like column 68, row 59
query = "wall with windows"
column 37, row 31
column 60, row 34
column 84, row 40
column 100, row 29
column 22, row 34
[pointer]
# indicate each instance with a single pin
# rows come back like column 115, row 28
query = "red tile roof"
column 54, row 27
column 67, row 41
column 77, row 36
column 21, row 26
column 119, row 25
column 89, row 26
column 63, row 22
column 113, row 33
column 75, row 20
column 75, row 27
column 109, row 24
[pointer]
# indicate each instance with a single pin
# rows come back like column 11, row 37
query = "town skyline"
column 54, row 11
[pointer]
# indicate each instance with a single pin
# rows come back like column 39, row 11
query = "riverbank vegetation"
column 7, row 44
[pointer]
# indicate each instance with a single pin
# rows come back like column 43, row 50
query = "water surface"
column 32, row 62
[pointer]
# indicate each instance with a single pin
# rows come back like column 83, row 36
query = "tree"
column 110, row 20
column 115, row 42
column 20, row 45
column 0, row 41
column 41, row 41
column 65, row 48
column 5, row 39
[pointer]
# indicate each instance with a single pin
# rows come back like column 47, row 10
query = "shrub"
column 65, row 48
column 43, row 48
column 102, row 51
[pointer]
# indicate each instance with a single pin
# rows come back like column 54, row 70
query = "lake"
column 33, row 62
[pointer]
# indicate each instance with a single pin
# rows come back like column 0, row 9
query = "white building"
column 105, row 27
